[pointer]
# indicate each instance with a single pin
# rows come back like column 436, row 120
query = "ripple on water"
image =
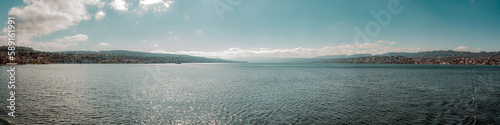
column 256, row 94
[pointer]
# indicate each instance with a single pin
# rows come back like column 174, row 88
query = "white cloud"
column 119, row 5
column 5, row 30
column 381, row 41
column 167, row 4
column 99, row 15
column 40, row 18
column 171, row 32
column 75, row 38
column 158, row 5
column 462, row 48
column 143, row 40
column 479, row 49
column 62, row 43
column 150, row 2
column 103, row 44
column 137, row 22
column 3, row 40
column 93, row 2
column 390, row 43
column 200, row 31
column 299, row 52
column 369, row 45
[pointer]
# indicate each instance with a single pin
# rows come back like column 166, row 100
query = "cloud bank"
column 62, row 42
column 40, row 18
column 462, row 48
column 103, row 44
column 299, row 52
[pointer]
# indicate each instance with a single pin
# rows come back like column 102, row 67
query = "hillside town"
column 416, row 60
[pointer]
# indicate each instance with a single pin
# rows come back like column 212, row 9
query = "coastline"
column 256, row 63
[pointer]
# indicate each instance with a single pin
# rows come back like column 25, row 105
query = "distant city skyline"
column 232, row 29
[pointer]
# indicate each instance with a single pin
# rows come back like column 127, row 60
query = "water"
column 254, row 94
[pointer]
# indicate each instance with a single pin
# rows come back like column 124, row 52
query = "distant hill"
column 29, row 55
column 26, row 55
column 429, row 57
column 426, row 54
column 446, row 54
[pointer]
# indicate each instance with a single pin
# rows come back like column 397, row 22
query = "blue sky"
column 255, row 28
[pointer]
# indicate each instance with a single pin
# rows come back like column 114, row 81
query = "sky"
column 231, row 29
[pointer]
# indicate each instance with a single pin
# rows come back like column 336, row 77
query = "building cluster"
column 410, row 60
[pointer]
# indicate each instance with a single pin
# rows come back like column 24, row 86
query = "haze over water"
column 255, row 94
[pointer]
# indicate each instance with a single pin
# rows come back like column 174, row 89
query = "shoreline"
column 252, row 63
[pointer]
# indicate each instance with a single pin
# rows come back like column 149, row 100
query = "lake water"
column 253, row 94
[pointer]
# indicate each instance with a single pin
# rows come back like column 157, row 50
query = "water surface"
column 254, row 94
